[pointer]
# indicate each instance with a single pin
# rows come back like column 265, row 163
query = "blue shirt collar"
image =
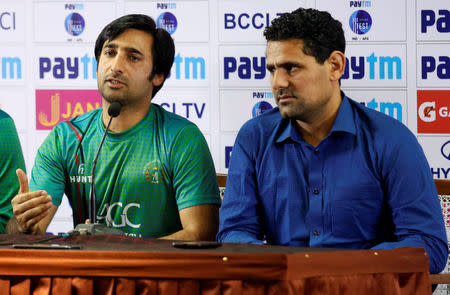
column 345, row 118
column 344, row 122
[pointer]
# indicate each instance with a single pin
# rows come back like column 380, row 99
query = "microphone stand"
column 95, row 228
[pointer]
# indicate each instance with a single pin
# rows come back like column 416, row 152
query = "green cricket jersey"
column 11, row 158
column 143, row 175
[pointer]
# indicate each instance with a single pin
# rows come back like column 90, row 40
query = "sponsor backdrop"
column 398, row 62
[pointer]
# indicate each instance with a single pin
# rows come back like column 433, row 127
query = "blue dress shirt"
column 366, row 185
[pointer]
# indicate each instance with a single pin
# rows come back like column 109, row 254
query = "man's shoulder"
column 4, row 115
column 169, row 121
column 266, row 122
column 378, row 123
column 6, row 121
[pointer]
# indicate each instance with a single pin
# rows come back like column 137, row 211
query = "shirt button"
column 316, row 151
column 316, row 232
column 316, row 191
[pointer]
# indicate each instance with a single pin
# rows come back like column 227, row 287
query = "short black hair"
column 320, row 32
column 163, row 50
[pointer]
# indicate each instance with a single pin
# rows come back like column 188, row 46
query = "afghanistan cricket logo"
column 154, row 172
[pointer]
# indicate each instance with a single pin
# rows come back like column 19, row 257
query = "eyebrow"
column 285, row 65
column 128, row 49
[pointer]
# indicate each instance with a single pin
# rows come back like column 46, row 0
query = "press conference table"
column 109, row 264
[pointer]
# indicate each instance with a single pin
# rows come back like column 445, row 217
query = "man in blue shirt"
column 321, row 170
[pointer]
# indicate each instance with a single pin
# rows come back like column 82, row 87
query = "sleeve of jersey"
column 48, row 170
column 11, row 159
column 194, row 175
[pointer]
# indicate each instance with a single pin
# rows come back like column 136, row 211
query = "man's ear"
column 158, row 79
column 336, row 61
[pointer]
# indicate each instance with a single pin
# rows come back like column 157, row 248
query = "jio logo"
column 360, row 22
column 74, row 24
column 167, row 21
column 260, row 108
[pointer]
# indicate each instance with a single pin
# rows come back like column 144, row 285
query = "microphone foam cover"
column 114, row 109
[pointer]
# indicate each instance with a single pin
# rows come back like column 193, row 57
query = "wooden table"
column 121, row 265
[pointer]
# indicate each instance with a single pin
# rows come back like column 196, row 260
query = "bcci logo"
column 167, row 21
column 154, row 172
column 74, row 24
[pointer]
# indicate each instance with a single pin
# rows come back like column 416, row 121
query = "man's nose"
column 117, row 64
column 279, row 79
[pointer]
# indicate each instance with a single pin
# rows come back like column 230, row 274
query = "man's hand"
column 30, row 208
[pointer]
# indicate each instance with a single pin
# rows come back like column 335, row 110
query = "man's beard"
column 292, row 109
column 111, row 96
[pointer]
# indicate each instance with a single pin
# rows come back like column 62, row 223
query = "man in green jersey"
column 11, row 158
column 155, row 176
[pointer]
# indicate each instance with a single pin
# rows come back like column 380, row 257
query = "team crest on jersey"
column 154, row 172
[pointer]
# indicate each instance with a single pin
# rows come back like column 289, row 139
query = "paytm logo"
column 76, row 6
column 389, row 67
column 245, row 67
column 11, row 68
column 360, row 3
column 166, row 6
column 429, row 19
column 84, row 67
column 189, row 68
column 440, row 65
column 392, row 109
column 245, row 20
column 8, row 21
column 262, row 94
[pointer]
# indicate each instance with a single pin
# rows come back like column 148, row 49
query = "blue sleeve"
column 415, row 205
column 239, row 222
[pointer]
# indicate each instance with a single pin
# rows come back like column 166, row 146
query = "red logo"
column 433, row 111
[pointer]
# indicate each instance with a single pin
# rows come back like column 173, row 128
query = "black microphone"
column 113, row 111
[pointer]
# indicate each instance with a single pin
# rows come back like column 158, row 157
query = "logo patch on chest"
column 154, row 172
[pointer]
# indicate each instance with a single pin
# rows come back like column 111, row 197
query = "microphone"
column 94, row 227
column 113, row 111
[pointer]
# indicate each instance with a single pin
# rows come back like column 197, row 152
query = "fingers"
column 27, row 201
column 32, row 224
column 30, row 208
column 23, row 180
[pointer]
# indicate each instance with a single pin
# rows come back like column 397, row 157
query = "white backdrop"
column 398, row 63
